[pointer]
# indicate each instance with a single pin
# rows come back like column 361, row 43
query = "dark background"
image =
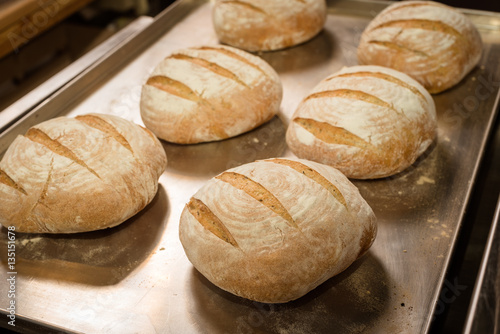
column 490, row 5
column 78, row 33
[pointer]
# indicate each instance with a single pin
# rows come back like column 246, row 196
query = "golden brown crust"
column 234, row 55
column 7, row 180
column 175, row 87
column 38, row 136
column 367, row 121
column 263, row 25
column 433, row 43
column 209, row 221
column 382, row 76
column 258, row 192
column 209, row 93
column 80, row 174
column 275, row 261
column 331, row 134
column 100, row 124
column 313, row 175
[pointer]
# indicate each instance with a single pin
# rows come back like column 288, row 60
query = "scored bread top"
column 367, row 121
column 262, row 25
column 433, row 43
column 274, row 229
column 79, row 174
column 209, row 93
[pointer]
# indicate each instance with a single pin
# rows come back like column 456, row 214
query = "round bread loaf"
column 433, row 43
column 275, row 229
column 209, row 93
column 367, row 121
column 80, row 174
column 263, row 25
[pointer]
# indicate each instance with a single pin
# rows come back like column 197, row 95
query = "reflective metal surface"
column 135, row 278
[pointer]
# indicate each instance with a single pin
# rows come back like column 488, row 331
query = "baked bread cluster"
column 273, row 230
column 367, row 121
column 431, row 42
column 270, row 230
column 263, row 25
column 209, row 93
column 69, row 175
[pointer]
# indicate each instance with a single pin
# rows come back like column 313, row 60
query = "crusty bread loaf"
column 263, row 25
column 209, row 93
column 272, row 230
column 433, row 43
column 79, row 174
column 367, row 121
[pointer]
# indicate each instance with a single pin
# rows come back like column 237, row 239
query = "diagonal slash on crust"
column 258, row 192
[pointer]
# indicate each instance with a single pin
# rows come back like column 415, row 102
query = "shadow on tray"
column 311, row 53
column 98, row 258
column 356, row 297
column 209, row 159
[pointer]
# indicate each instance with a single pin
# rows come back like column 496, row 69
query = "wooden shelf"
column 22, row 20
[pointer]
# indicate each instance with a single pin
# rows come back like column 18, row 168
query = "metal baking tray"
column 135, row 278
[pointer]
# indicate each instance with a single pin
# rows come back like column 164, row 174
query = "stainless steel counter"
column 136, row 278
